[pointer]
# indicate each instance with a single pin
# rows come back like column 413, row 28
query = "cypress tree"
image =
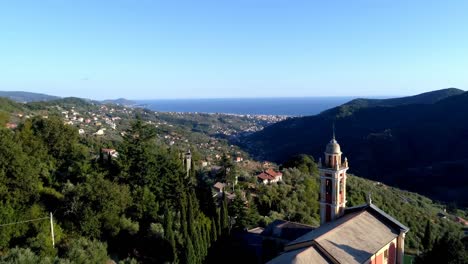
column 190, row 255
column 207, row 228
column 203, row 240
column 427, row 239
column 224, row 216
column 191, row 216
column 169, row 232
column 183, row 216
column 214, row 230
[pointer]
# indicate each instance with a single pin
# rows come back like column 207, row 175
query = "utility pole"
column 52, row 229
column 34, row 220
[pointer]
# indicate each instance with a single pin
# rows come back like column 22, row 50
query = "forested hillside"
column 124, row 207
column 141, row 206
column 296, row 199
column 27, row 96
column 419, row 147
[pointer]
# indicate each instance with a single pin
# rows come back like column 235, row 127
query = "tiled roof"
column 219, row 185
column 269, row 174
column 286, row 230
column 273, row 173
column 265, row 176
column 256, row 230
column 353, row 238
column 302, row 256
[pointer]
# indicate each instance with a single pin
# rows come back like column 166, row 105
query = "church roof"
column 302, row 256
column 286, row 230
column 333, row 147
column 353, row 238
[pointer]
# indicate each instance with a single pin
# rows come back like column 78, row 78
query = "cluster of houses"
column 95, row 122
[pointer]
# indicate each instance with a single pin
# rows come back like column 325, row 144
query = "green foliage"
column 447, row 249
column 427, row 239
column 4, row 118
column 96, row 207
column 45, row 166
column 295, row 200
column 7, row 105
column 23, row 256
column 224, row 216
column 304, row 163
column 411, row 209
column 79, row 251
column 84, row 251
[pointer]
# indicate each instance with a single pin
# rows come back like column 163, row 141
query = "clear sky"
column 144, row 49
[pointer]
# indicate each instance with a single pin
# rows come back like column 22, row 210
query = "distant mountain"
column 63, row 102
column 120, row 101
column 424, row 98
column 416, row 143
column 25, row 97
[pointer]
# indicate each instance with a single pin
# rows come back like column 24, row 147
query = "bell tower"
column 332, row 183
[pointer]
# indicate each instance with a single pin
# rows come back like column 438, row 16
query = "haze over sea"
column 254, row 106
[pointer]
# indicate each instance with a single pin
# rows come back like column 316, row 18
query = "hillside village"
column 262, row 197
column 209, row 134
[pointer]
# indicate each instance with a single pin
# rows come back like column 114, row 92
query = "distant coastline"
column 254, row 106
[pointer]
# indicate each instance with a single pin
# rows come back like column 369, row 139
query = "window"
column 328, row 184
column 385, row 256
column 328, row 191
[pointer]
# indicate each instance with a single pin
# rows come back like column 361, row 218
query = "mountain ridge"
column 411, row 146
column 22, row 97
column 423, row 98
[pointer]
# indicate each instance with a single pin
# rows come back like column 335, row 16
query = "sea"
column 247, row 106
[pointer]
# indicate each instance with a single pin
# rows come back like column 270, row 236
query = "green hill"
column 419, row 147
column 7, row 105
column 25, row 97
column 424, row 98
column 119, row 101
column 411, row 209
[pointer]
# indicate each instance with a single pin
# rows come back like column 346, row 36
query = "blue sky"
column 144, row 49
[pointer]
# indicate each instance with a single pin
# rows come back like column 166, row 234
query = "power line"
column 34, row 220
column 25, row 221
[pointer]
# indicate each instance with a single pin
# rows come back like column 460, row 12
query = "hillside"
column 412, row 209
column 424, row 98
column 419, row 147
column 7, row 105
column 119, row 101
column 22, row 97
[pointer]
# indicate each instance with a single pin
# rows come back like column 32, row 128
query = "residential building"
column 270, row 176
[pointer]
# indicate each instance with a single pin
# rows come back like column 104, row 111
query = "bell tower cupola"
column 332, row 182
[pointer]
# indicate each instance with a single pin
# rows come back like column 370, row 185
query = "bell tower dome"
column 332, row 182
